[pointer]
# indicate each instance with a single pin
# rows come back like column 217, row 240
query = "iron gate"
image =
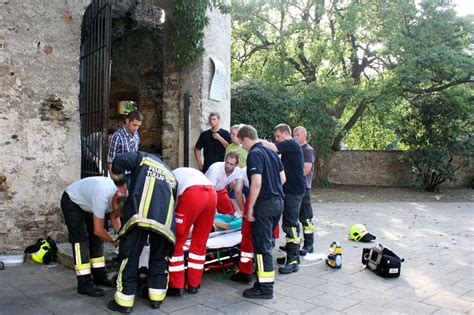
column 95, row 86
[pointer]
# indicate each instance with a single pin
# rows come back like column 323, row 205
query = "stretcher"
column 222, row 250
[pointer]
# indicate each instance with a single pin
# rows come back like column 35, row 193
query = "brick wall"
column 376, row 168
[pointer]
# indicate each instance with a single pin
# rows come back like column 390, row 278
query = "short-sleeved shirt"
column 187, row 177
column 218, row 177
column 309, row 157
column 234, row 222
column 242, row 152
column 93, row 194
column 122, row 142
column 213, row 150
column 265, row 162
column 293, row 162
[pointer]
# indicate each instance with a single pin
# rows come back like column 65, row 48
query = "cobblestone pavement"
column 435, row 238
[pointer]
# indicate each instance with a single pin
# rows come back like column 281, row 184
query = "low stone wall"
column 376, row 168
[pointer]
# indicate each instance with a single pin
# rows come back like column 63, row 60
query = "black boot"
column 292, row 265
column 155, row 304
column 305, row 250
column 100, row 277
column 175, row 292
column 193, row 290
column 118, row 308
column 241, row 277
column 281, row 260
column 258, row 293
column 85, row 286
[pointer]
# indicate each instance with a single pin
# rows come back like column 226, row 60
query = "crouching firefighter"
column 84, row 205
column 148, row 214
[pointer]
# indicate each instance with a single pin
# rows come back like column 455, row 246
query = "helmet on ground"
column 357, row 231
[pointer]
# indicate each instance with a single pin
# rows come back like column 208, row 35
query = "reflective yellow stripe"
column 150, row 162
column 82, row 266
column 156, row 294
column 266, row 276
column 77, row 250
column 119, row 278
column 98, row 262
column 141, row 207
column 260, row 262
column 123, row 299
column 83, row 272
column 146, row 223
column 148, row 197
column 170, row 213
column 293, row 240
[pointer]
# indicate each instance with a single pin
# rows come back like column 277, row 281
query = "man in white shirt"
column 84, row 204
column 222, row 174
column 196, row 206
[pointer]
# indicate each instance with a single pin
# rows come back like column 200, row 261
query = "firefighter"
column 147, row 214
column 196, row 206
column 265, row 207
column 84, row 204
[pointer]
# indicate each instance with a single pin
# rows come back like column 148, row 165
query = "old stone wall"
column 39, row 116
column 376, row 168
column 197, row 80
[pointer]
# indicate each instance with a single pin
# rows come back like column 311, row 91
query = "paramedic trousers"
column 130, row 249
column 306, row 219
column 224, row 204
column 87, row 248
column 196, row 207
column 246, row 246
column 267, row 213
column 291, row 225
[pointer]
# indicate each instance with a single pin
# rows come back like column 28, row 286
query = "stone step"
column 64, row 256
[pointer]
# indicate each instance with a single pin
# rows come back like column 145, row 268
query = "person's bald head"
column 300, row 135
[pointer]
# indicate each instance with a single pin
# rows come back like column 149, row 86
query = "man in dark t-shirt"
column 306, row 210
column 294, row 188
column 213, row 142
column 264, row 208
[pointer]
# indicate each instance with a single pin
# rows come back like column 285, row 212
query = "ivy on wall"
column 190, row 21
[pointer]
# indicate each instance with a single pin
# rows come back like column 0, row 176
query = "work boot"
column 283, row 248
column 281, row 260
column 257, row 293
column 175, row 292
column 85, row 286
column 118, row 308
column 291, row 266
column 305, row 250
column 155, row 304
column 241, row 277
column 100, row 277
column 192, row 290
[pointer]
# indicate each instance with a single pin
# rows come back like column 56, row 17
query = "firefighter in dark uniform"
column 148, row 213
column 265, row 207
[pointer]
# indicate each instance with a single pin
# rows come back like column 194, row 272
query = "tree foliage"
column 357, row 59
column 437, row 129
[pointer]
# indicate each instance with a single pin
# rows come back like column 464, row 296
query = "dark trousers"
column 130, row 249
column 87, row 248
column 306, row 219
column 267, row 213
column 291, row 225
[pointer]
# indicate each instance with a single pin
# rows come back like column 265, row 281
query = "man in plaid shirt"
column 125, row 139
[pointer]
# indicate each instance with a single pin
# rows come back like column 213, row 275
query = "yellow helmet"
column 38, row 256
column 357, row 231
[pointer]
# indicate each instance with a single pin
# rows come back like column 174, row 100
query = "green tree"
column 353, row 55
column 437, row 129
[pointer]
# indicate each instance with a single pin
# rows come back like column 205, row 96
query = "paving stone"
column 339, row 289
column 298, row 292
column 198, row 309
column 447, row 312
column 409, row 307
column 213, row 300
column 172, row 304
column 27, row 308
column 245, row 307
column 287, row 304
column 367, row 308
column 334, row 302
column 450, row 302
column 323, row 310
column 373, row 299
column 469, row 296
